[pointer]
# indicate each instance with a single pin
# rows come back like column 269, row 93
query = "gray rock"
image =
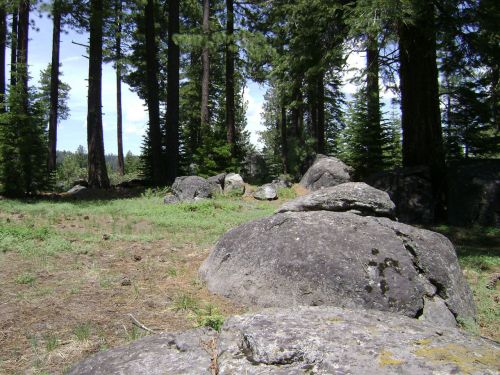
column 183, row 353
column 171, row 199
column 340, row 259
column 189, row 188
column 351, row 196
column 77, row 190
column 436, row 312
column 326, row 171
column 217, row 183
column 411, row 191
column 329, row 340
column 266, row 192
column 283, row 182
column 304, row 340
column 80, row 182
column 474, row 193
column 234, row 184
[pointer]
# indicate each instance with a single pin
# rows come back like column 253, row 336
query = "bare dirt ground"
column 80, row 303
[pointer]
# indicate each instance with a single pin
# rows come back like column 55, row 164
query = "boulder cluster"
column 194, row 188
column 342, row 287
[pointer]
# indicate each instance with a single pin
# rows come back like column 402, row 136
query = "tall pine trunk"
column 421, row 120
column 320, row 136
column 173, row 65
column 118, row 55
column 205, row 62
column 153, row 98
column 297, row 109
column 22, row 51
column 373, row 105
column 54, row 85
column 13, row 47
column 230, row 111
column 97, row 173
column 3, row 45
column 284, row 141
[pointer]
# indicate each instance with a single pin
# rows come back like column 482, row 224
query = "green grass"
column 51, row 342
column 478, row 250
column 49, row 228
column 82, row 331
column 26, row 279
column 185, row 302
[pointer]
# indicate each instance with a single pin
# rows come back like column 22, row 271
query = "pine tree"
column 97, row 172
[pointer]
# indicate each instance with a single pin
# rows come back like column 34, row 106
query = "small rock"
column 234, row 184
column 75, row 190
column 356, row 197
column 492, row 283
column 325, row 171
column 86, row 217
column 126, row 282
column 266, row 192
column 137, row 257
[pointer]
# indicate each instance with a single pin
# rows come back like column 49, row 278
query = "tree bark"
column 421, row 120
column 22, row 50
column 230, row 111
column 97, row 173
column 284, row 141
column 54, row 85
column 320, row 143
column 153, row 99
column 13, row 48
column 205, row 62
column 118, row 53
column 173, row 92
column 3, row 45
column 297, row 110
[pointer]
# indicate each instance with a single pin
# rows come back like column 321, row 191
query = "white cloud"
column 71, row 59
column 135, row 129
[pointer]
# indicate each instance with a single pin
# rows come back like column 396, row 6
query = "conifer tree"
column 97, row 172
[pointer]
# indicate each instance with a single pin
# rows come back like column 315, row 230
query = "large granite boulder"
column 326, row 171
column 411, row 191
column 474, row 192
column 189, row 188
column 266, row 192
column 340, row 259
column 234, row 184
column 351, row 196
column 304, row 340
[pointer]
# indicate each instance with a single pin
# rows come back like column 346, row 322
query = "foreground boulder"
column 340, row 259
column 189, row 188
column 326, row 171
column 411, row 191
column 351, row 196
column 305, row 340
column 234, row 184
column 266, row 192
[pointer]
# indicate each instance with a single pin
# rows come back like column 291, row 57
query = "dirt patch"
column 60, row 309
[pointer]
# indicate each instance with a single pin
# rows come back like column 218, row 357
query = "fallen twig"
column 139, row 324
